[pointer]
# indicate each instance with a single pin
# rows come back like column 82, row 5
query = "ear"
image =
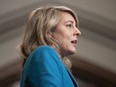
column 50, row 34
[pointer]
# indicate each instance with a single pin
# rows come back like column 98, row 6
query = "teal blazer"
column 44, row 68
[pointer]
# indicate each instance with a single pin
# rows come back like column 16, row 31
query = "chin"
column 72, row 51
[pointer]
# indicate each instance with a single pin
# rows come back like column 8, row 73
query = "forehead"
column 67, row 17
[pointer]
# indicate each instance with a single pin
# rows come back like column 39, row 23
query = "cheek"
column 66, row 38
column 58, row 35
column 61, row 40
column 63, row 37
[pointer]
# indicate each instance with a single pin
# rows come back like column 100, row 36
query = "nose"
column 77, row 32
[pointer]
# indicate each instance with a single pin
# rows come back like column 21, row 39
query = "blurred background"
column 94, row 64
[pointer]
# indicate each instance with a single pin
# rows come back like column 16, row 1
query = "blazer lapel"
column 72, row 77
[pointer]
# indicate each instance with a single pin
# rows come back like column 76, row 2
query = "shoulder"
column 44, row 53
column 44, row 57
column 43, row 66
column 43, row 49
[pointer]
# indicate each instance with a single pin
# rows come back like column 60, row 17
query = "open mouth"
column 74, row 41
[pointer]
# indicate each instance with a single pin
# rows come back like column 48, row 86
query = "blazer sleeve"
column 44, row 69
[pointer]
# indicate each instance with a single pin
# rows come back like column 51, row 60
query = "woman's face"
column 66, row 34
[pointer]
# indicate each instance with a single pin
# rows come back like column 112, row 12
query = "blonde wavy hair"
column 40, row 23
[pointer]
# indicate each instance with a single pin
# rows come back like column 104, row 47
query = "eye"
column 69, row 25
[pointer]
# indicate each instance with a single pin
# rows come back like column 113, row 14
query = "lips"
column 74, row 41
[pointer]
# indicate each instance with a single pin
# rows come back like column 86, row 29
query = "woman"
column 50, row 36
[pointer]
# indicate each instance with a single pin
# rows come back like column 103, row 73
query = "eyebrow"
column 71, row 22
